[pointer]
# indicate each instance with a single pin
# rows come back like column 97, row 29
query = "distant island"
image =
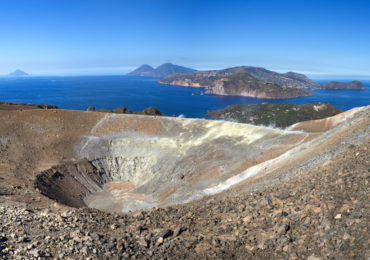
column 279, row 115
column 245, row 81
column 161, row 71
column 342, row 85
column 289, row 79
column 18, row 73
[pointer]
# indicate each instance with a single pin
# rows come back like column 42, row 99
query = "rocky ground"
column 24, row 106
column 315, row 206
column 322, row 213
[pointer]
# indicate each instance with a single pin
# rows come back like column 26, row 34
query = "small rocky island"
column 18, row 73
column 161, row 71
column 279, row 115
column 343, row 85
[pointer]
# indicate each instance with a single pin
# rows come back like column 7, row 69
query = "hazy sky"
column 108, row 36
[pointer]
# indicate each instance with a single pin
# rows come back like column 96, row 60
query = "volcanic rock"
column 286, row 209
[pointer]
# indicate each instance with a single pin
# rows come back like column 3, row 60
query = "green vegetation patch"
column 279, row 115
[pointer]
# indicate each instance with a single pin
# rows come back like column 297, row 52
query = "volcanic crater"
column 128, row 162
column 122, row 167
column 255, row 192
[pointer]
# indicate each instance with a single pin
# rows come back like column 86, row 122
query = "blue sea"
column 137, row 93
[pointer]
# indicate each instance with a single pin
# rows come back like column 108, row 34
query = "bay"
column 137, row 93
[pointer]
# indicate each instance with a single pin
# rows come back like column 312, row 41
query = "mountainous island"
column 289, row 79
column 161, row 71
column 18, row 73
column 279, row 115
column 343, row 85
column 245, row 81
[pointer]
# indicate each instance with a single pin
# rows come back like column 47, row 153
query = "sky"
column 315, row 37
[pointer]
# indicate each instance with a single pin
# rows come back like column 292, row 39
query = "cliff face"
column 280, row 115
column 161, row 71
column 243, row 84
column 204, row 78
column 189, row 80
column 342, row 85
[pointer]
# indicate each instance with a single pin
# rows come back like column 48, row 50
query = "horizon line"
column 311, row 76
column 122, row 71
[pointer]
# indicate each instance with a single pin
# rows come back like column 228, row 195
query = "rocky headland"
column 279, row 115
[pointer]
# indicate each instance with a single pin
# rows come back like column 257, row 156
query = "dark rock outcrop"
column 150, row 111
column 120, row 110
column 161, row 71
column 342, row 85
column 46, row 106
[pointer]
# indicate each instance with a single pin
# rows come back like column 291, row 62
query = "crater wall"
column 174, row 164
